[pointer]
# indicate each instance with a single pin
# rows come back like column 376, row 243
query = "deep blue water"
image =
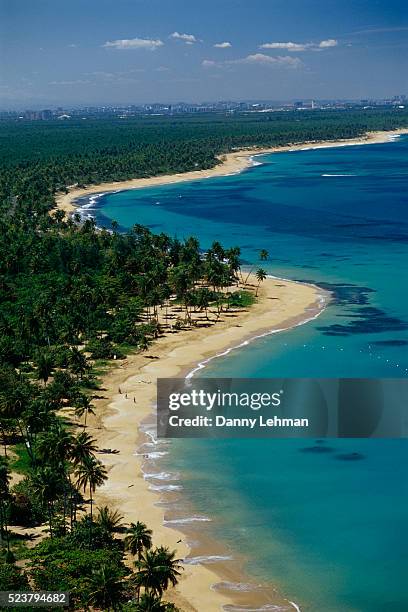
column 330, row 532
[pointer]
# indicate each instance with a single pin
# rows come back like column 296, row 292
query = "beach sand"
column 230, row 163
column 281, row 304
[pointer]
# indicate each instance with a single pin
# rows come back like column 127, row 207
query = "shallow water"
column 327, row 529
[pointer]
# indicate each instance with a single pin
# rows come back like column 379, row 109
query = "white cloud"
column 289, row 46
column 223, row 45
column 257, row 58
column 299, row 47
column 134, row 43
column 208, row 63
column 70, row 83
column 261, row 58
column 326, row 44
column 189, row 39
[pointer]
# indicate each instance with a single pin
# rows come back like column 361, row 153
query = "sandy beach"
column 281, row 304
column 230, row 163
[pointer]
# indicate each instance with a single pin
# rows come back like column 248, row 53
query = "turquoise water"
column 330, row 532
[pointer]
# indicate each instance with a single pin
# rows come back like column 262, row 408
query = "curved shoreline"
column 119, row 425
column 324, row 298
column 196, row 591
column 231, row 163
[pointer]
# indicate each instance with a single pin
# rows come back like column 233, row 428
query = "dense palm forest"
column 73, row 299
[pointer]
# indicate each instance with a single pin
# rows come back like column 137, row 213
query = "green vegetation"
column 72, row 299
column 70, row 295
column 240, row 299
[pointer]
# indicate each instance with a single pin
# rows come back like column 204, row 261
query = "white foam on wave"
column 152, row 455
column 161, row 476
column 206, row 559
column 255, row 162
column 188, row 520
column 149, row 429
column 202, row 364
column 85, row 209
column 336, row 175
column 242, row 587
column 167, row 487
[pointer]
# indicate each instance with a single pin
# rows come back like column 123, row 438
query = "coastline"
column 231, row 163
column 119, row 424
column 127, row 488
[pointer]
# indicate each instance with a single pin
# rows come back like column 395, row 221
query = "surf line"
column 203, row 364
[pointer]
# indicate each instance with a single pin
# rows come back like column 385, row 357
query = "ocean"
column 329, row 532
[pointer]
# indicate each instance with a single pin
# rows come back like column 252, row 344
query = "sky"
column 95, row 52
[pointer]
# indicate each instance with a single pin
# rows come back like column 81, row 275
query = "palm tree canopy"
column 156, row 570
column 91, row 473
column 261, row 274
column 45, row 484
column 106, row 588
column 54, row 447
column 109, row 520
column 83, row 448
column 139, row 538
column 151, row 603
column 44, row 365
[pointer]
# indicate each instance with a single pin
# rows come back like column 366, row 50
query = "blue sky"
column 58, row 52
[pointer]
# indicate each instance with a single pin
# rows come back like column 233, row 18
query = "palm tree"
column 45, row 484
column 152, row 603
column 156, row 570
column 78, row 362
column 44, row 366
column 263, row 256
column 109, row 520
column 91, row 473
column 260, row 275
column 54, row 447
column 106, row 588
column 83, row 406
column 171, row 567
column 83, row 447
column 203, row 300
column 148, row 574
column 139, row 538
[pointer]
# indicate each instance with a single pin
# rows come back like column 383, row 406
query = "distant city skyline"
column 102, row 52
